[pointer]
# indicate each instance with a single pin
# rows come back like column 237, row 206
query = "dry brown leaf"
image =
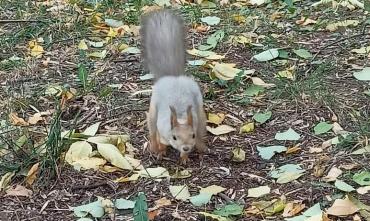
column 32, row 174
column 333, row 174
column 17, row 121
column 276, row 15
column 35, row 118
column 342, row 207
column 293, row 208
column 19, row 191
column 162, row 202
column 294, row 149
column 305, row 21
column 153, row 214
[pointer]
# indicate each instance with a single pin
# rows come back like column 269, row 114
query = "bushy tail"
column 163, row 41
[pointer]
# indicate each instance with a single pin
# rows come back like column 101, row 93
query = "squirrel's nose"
column 186, row 149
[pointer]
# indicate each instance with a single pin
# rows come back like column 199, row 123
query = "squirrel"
column 176, row 114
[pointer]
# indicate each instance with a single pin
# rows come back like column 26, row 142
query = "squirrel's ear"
column 174, row 122
column 190, row 116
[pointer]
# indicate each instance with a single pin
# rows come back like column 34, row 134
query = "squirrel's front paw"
column 184, row 158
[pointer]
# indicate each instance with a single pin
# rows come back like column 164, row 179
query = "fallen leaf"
column 288, row 73
column 98, row 54
column 96, row 44
column 124, row 204
column 363, row 190
column 305, row 21
column 131, row 50
column 303, row 53
column 35, row 119
column 333, row 174
column 253, row 90
column 199, row 62
column 222, row 129
column 88, row 163
column 213, row 216
column 35, row 49
column 19, row 190
column 181, row 174
column 363, row 75
column 5, row 180
column 364, row 150
column 268, row 152
column 216, row 118
column 247, row 128
column 334, row 26
column 342, row 207
column 290, row 134
column 78, row 150
column 158, row 172
column 200, row 199
column 341, row 185
column 32, row 174
column 17, row 121
column 293, row 149
column 258, row 191
column 231, row 209
column 262, row 117
column 114, row 156
column 162, row 202
column 260, row 82
column 225, row 71
column 82, row 45
column 95, row 209
column 113, row 23
column 362, row 50
column 210, row 55
column 257, row 2
column 213, row 189
column 293, row 208
column 362, row 178
column 322, row 127
column 267, row 55
column 180, row 192
column 92, row 130
column 287, row 173
column 211, row 20
column 238, row 155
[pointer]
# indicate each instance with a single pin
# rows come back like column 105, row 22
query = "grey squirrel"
column 176, row 114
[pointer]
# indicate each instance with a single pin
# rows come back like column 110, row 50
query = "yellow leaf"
column 5, row 180
column 36, row 50
column 334, row 26
column 32, row 174
column 288, row 73
column 222, row 129
column 305, row 21
column 88, row 163
column 239, row 18
column 82, row 45
column 114, row 156
column 225, row 71
column 362, row 50
column 238, row 155
column 78, row 150
column 98, row 54
column 260, row 82
column 247, row 128
column 113, row 32
column 213, row 189
column 216, row 118
column 205, row 54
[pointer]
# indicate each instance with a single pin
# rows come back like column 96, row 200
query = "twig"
column 18, row 21
column 87, row 187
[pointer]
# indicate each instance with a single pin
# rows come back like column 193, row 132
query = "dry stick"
column 18, row 21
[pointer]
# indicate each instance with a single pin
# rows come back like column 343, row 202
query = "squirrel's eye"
column 174, row 137
column 193, row 136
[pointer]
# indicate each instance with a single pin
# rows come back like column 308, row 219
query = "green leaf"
column 113, row 23
column 213, row 40
column 215, row 217
column 362, row 178
column 262, row 117
column 124, row 204
column 131, row 50
column 258, row 191
column 367, row 5
column 267, row 55
column 363, row 75
column 82, row 75
column 287, row 173
column 141, row 208
column 283, row 54
column 322, row 128
column 95, row 209
column 303, row 53
column 364, row 150
column 91, row 130
column 290, row 134
column 268, row 152
column 341, row 185
column 200, row 199
column 229, row 210
column 211, row 20
column 254, row 90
